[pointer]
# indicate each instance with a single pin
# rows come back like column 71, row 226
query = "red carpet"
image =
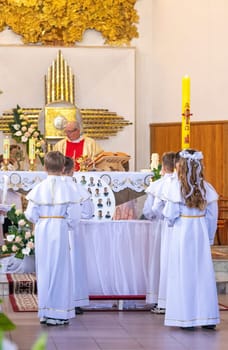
column 23, row 292
column 223, row 307
column 28, row 303
column 22, row 283
column 23, row 302
column 23, row 297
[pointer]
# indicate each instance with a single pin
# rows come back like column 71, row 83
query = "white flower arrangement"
column 22, row 129
column 20, row 237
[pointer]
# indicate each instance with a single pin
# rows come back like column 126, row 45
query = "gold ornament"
column 63, row 22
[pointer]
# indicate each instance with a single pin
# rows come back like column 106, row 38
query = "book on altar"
column 110, row 161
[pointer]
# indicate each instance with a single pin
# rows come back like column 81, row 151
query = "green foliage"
column 157, row 172
column 41, row 342
column 5, row 323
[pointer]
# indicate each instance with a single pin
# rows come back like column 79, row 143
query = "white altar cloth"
column 117, row 256
column 10, row 264
column 117, row 180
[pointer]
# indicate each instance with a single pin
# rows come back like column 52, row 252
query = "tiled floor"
column 121, row 330
column 116, row 330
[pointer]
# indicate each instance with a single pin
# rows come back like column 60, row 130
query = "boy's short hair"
column 168, row 159
column 68, row 165
column 54, row 161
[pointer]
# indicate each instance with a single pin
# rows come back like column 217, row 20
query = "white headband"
column 195, row 156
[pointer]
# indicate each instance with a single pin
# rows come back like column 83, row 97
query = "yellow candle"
column 185, row 92
column 32, row 151
column 185, row 127
column 6, row 148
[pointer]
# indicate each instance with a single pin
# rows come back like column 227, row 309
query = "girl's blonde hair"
column 191, row 177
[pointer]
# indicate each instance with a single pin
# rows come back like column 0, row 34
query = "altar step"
column 220, row 260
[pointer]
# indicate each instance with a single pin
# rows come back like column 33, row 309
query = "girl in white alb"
column 191, row 209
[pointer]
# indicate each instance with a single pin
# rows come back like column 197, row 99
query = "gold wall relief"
column 63, row 22
column 60, row 107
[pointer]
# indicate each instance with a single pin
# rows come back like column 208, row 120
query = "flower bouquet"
column 23, row 129
column 20, row 237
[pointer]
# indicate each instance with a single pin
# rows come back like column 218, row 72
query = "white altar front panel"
column 117, row 256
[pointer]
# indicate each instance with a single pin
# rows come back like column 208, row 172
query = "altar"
column 117, row 252
column 117, row 257
column 125, row 185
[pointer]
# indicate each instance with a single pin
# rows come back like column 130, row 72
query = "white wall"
column 177, row 37
column 190, row 37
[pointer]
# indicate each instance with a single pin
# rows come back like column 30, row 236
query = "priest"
column 77, row 145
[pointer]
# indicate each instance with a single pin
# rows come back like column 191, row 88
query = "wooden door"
column 209, row 137
column 212, row 139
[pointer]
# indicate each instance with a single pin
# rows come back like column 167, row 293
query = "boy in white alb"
column 156, row 288
column 80, row 281
column 54, row 208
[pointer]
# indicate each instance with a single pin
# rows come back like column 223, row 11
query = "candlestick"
column 32, row 151
column 6, row 148
column 5, row 188
column 31, row 165
column 4, row 196
column 185, row 127
column 154, row 161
